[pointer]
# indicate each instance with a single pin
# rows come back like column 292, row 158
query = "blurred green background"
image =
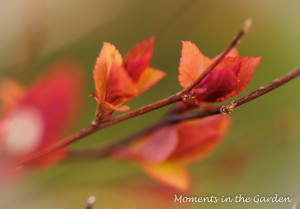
column 260, row 155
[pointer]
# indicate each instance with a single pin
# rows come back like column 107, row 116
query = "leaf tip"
column 247, row 25
column 152, row 39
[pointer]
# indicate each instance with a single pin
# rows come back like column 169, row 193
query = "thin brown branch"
column 172, row 119
column 156, row 105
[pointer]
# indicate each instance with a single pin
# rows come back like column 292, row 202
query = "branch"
column 90, row 202
column 172, row 119
column 179, row 96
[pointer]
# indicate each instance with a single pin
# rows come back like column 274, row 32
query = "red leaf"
column 137, row 59
column 45, row 111
column 199, row 137
column 228, row 78
column 153, row 148
column 216, row 85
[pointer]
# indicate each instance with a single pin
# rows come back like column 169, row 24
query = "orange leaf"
column 107, row 107
column 192, row 63
column 120, row 87
column 11, row 93
column 169, row 173
column 108, row 56
column 117, row 82
column 149, row 78
column 233, row 53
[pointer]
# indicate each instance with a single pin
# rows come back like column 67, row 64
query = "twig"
column 90, row 202
column 295, row 205
column 172, row 119
column 161, row 103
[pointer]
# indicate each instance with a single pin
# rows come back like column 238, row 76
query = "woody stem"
column 173, row 119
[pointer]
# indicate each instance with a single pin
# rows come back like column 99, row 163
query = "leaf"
column 107, row 107
column 150, row 77
column 11, row 93
column 216, row 86
column 117, row 81
column 226, row 80
column 229, row 78
column 233, row 53
column 248, row 66
column 43, row 114
column 137, row 59
column 152, row 148
column 199, row 137
column 57, row 94
column 108, row 56
column 192, row 63
column 169, row 173
column 120, row 87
